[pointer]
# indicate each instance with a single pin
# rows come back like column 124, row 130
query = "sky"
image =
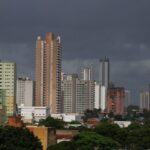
column 89, row 29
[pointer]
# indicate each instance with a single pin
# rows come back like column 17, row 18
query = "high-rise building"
column 100, row 97
column 69, row 93
column 24, row 91
column 127, row 100
column 8, row 87
column 48, row 73
column 97, row 94
column 87, row 73
column 104, row 82
column 115, row 100
column 78, row 95
column 103, row 97
column 104, row 72
column 144, row 100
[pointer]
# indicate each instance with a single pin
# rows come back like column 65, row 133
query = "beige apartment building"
column 78, row 95
column 48, row 73
column 8, row 87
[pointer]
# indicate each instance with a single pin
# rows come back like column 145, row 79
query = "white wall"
column 97, row 102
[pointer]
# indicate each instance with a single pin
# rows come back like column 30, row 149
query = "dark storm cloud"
column 90, row 29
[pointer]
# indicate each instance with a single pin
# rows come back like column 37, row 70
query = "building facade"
column 48, row 73
column 8, row 87
column 104, row 72
column 78, row 95
column 127, row 100
column 32, row 114
column 144, row 100
column 24, row 91
column 87, row 73
column 97, row 94
column 103, row 82
column 115, row 100
column 46, row 135
column 3, row 116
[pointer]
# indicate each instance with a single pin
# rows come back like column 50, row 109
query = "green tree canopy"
column 134, row 137
column 87, row 141
column 91, row 114
column 12, row 138
column 51, row 122
column 95, row 141
column 107, row 129
column 113, row 131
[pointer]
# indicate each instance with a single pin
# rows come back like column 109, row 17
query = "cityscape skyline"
column 75, row 74
column 120, row 32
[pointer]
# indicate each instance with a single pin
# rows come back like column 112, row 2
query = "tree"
column 87, row 141
column 107, row 129
column 138, row 137
column 131, row 108
column 12, row 138
column 112, row 131
column 94, row 141
column 51, row 122
column 118, row 117
column 91, row 113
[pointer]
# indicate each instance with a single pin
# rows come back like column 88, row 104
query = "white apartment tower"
column 103, row 82
column 127, row 100
column 104, row 72
column 24, row 91
column 87, row 73
column 145, row 100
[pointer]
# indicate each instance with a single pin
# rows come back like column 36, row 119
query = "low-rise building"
column 31, row 114
column 122, row 124
column 68, row 117
column 14, row 121
column 65, row 135
column 92, row 122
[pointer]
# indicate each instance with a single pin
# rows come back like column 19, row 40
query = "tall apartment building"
column 104, row 72
column 24, row 91
column 87, row 73
column 145, row 100
column 48, row 73
column 115, row 100
column 8, row 87
column 97, row 94
column 104, row 82
column 127, row 100
column 100, row 96
column 78, row 95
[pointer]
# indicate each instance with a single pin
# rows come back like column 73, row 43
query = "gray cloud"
column 90, row 29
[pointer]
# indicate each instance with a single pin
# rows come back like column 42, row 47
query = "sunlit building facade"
column 48, row 73
column 8, row 87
